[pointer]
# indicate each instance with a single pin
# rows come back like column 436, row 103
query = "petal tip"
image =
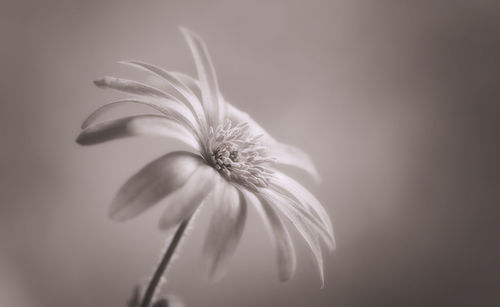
column 101, row 82
column 184, row 30
column 316, row 177
column 116, row 217
column 120, row 210
column 115, row 214
column 80, row 139
column 284, row 277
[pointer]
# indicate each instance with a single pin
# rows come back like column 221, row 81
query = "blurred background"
column 397, row 102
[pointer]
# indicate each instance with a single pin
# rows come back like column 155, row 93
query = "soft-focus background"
column 396, row 101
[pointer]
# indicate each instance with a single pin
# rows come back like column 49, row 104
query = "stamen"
column 238, row 155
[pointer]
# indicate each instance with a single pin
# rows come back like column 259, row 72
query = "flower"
column 231, row 163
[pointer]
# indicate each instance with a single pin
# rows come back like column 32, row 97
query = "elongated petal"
column 152, row 183
column 297, row 214
column 225, row 230
column 312, row 240
column 280, row 236
column 296, row 191
column 171, row 111
column 155, row 125
column 129, row 86
column 194, row 86
column 190, row 82
column 175, row 87
column 184, row 202
column 303, row 226
column 206, row 76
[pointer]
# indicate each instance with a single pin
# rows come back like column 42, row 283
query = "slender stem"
column 150, row 291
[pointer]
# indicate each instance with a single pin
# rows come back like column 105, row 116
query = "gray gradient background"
column 396, row 101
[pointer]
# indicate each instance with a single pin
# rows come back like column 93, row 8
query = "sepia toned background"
column 397, row 102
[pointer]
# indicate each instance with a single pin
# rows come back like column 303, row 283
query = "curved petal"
column 291, row 188
column 312, row 240
column 190, row 82
column 280, row 236
column 152, row 183
column 297, row 214
column 206, row 75
column 156, row 125
column 225, row 230
column 303, row 226
column 184, row 202
column 171, row 111
column 132, row 87
column 179, row 90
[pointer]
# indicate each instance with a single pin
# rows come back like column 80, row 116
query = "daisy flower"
column 232, row 163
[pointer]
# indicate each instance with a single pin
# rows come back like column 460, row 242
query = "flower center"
column 238, row 155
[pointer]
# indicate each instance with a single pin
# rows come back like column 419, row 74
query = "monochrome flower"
column 232, row 163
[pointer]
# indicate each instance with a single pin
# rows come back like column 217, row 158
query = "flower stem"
column 160, row 270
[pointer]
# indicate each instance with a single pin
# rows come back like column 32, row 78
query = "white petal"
column 285, row 154
column 297, row 214
column 225, row 230
column 171, row 111
column 190, row 82
column 303, row 226
column 296, row 191
column 155, row 125
column 206, row 75
column 175, row 87
column 184, row 202
column 292, row 156
column 152, row 183
column 312, row 239
column 132, row 87
column 280, row 236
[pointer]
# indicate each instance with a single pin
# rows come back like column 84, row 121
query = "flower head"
column 231, row 163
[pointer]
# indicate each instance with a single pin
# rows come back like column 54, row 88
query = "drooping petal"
column 184, row 202
column 312, row 240
column 175, row 87
column 299, row 193
column 301, row 223
column 225, row 230
column 153, row 183
column 207, row 77
column 279, row 235
column 154, row 125
column 171, row 111
column 297, row 214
